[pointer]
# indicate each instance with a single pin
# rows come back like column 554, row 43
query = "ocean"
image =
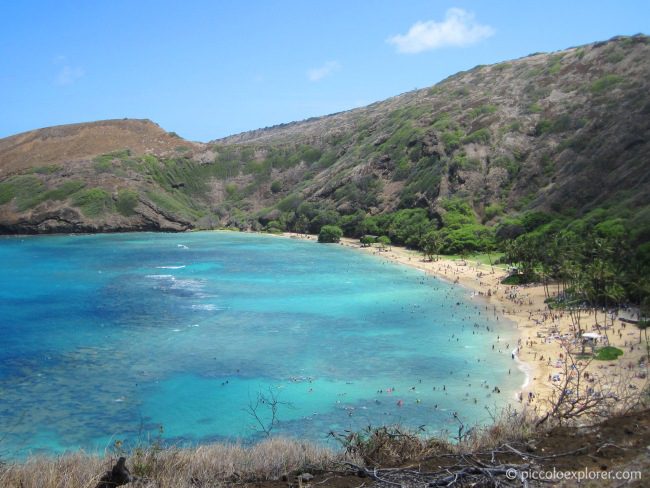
column 191, row 338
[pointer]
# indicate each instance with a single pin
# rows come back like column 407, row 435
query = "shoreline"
column 543, row 333
column 403, row 256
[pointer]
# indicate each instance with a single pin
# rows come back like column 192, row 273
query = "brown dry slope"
column 66, row 144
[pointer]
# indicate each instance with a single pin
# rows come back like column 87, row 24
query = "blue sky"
column 207, row 69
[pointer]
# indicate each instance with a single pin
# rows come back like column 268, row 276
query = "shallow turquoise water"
column 106, row 337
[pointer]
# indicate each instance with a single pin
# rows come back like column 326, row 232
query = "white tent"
column 591, row 335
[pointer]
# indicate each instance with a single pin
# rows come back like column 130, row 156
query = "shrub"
column 408, row 226
column 47, row 170
column 383, row 241
column 289, row 203
column 106, row 162
column 467, row 238
column 452, row 139
column 480, row 136
column 442, row 122
column 542, row 127
column 276, row 186
column 608, row 353
column 93, row 202
column 604, row 83
column 367, row 240
column 533, row 220
column 458, row 214
column 330, row 233
column 28, row 191
column 275, row 227
column 482, row 110
column 176, row 203
column 127, row 200
column 65, row 190
column 493, row 210
column 560, row 124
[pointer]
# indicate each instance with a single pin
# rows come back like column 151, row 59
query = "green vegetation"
column 452, row 139
column 367, row 240
column 562, row 123
column 93, row 202
column 599, row 259
column 608, row 353
column 176, row 203
column 481, row 136
column 108, row 163
column 126, row 202
column 47, row 170
column 65, row 190
column 554, row 64
column 493, row 210
column 26, row 191
column 482, row 110
column 330, row 233
column 383, row 241
column 605, row 83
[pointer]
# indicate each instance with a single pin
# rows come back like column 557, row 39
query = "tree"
column 366, row 241
column 430, row 244
column 383, row 241
column 302, row 224
column 330, row 233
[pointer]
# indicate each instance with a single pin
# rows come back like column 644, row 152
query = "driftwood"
column 480, row 469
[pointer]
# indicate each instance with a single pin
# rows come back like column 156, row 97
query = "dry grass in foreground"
column 211, row 465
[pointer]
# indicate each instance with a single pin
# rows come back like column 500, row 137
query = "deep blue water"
column 110, row 337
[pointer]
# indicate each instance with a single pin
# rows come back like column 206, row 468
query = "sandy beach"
column 544, row 334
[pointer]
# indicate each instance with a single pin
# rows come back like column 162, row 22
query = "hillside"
column 560, row 131
column 65, row 178
column 564, row 133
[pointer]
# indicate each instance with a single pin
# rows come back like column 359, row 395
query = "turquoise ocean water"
column 107, row 337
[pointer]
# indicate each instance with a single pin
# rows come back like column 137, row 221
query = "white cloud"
column 458, row 29
column 317, row 74
column 67, row 75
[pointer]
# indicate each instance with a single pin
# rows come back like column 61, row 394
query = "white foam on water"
column 209, row 307
column 190, row 285
column 170, row 267
column 525, row 368
column 160, row 277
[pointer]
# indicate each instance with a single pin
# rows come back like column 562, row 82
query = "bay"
column 132, row 336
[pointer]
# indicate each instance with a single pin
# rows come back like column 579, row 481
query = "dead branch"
column 269, row 403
